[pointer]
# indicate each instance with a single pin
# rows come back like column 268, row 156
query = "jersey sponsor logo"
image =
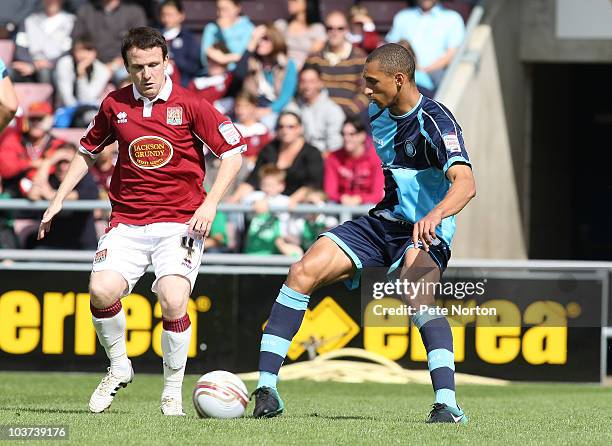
column 229, row 132
column 409, row 148
column 174, row 115
column 150, row 152
column 122, row 118
column 452, row 143
column 100, row 256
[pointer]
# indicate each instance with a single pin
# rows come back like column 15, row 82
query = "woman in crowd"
column 288, row 152
column 303, row 30
column 231, row 28
column 272, row 75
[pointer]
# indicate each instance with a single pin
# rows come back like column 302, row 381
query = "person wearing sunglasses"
column 341, row 64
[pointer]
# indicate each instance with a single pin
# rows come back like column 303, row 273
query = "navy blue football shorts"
column 376, row 242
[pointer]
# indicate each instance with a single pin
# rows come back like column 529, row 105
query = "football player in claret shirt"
column 160, row 212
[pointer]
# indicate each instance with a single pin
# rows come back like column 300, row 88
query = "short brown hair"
column 144, row 38
column 269, row 170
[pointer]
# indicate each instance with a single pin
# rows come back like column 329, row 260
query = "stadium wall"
column 491, row 226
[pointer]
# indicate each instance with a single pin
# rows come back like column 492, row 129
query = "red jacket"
column 363, row 176
column 15, row 157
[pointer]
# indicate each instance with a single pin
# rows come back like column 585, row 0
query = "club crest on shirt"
column 100, row 256
column 174, row 115
column 409, row 148
column 229, row 132
column 452, row 143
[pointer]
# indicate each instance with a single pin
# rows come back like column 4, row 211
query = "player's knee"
column 173, row 308
column 302, row 277
column 104, row 293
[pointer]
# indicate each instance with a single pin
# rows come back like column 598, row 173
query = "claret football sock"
column 285, row 320
column 110, row 328
column 175, row 338
column 438, row 340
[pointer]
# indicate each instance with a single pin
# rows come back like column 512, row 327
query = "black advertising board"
column 45, row 324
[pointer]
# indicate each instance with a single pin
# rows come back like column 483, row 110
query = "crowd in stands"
column 292, row 84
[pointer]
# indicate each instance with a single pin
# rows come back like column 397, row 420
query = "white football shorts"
column 130, row 249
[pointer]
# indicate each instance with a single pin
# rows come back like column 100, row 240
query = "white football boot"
column 103, row 396
column 171, row 406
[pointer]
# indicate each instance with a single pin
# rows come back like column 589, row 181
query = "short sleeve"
column 446, row 138
column 100, row 133
column 216, row 131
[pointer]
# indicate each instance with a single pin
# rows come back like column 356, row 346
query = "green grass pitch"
column 317, row 413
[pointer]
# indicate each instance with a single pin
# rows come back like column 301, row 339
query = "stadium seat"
column 69, row 135
column 265, row 12
column 198, row 13
column 463, row 8
column 331, row 5
column 28, row 93
column 382, row 12
column 7, row 48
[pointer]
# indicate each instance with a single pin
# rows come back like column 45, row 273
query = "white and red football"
column 220, row 394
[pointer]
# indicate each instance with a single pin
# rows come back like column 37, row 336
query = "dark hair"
column 393, row 58
column 311, row 67
column 271, row 170
column 85, row 41
column 178, row 4
column 356, row 122
column 144, row 38
column 288, row 113
column 313, row 12
column 247, row 96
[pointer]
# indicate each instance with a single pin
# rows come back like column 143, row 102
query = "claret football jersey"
column 160, row 166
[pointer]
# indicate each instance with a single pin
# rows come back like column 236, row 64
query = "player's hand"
column 425, row 229
column 45, row 222
column 201, row 222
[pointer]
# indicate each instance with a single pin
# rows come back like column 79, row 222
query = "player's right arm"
column 78, row 169
column 8, row 98
column 99, row 134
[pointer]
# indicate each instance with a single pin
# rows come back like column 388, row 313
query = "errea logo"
column 121, row 118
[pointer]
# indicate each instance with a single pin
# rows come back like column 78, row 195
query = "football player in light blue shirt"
column 428, row 179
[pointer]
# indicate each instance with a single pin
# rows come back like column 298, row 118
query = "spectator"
column 22, row 151
column 304, row 231
column 341, row 65
column 218, row 239
column 303, row 30
column 254, row 132
column 273, row 77
column 363, row 30
column 8, row 98
column 231, row 28
column 183, row 46
column 81, row 81
column 423, row 81
column 71, row 229
column 353, row 175
column 291, row 153
column 321, row 116
column 107, row 21
column 434, row 32
column 220, row 85
column 102, row 170
column 41, row 40
column 268, row 229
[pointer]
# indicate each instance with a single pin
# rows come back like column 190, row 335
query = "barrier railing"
column 343, row 212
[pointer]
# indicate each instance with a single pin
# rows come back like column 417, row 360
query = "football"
column 220, row 394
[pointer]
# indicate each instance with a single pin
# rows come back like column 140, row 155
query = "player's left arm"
column 202, row 219
column 461, row 191
column 225, row 142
